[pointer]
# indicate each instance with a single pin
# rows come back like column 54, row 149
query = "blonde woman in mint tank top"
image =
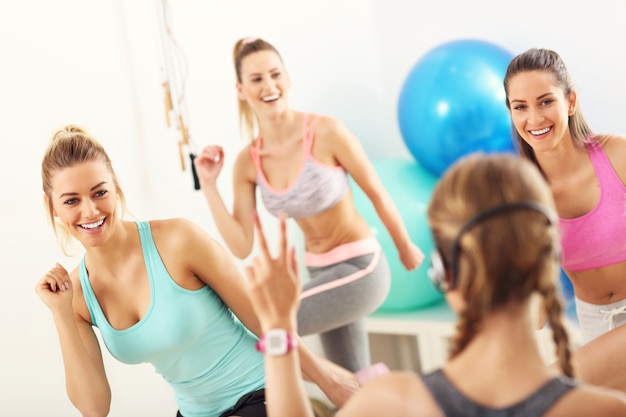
column 587, row 175
column 162, row 292
column 300, row 163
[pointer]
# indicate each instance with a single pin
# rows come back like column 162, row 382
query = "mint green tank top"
column 191, row 338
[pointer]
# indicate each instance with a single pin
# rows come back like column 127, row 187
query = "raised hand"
column 274, row 284
column 209, row 164
column 55, row 288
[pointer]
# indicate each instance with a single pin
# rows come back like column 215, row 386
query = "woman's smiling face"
column 264, row 82
column 539, row 109
column 85, row 200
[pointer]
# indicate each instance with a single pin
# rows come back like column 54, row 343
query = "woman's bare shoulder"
column 172, row 224
column 327, row 125
column 615, row 148
column 589, row 400
column 612, row 141
column 396, row 394
column 174, row 234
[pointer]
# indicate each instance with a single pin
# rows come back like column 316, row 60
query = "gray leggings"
column 335, row 302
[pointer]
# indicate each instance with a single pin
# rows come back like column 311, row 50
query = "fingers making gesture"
column 274, row 283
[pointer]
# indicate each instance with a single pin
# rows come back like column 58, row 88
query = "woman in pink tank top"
column 300, row 164
column 586, row 173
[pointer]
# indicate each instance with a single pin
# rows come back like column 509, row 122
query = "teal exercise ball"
column 452, row 103
column 410, row 187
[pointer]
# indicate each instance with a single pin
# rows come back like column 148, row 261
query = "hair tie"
column 248, row 40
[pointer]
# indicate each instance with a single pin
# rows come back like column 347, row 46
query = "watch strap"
column 276, row 342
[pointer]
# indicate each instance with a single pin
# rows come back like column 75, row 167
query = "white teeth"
column 92, row 225
column 271, row 98
column 540, row 132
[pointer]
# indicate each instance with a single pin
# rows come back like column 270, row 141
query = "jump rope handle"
column 196, row 181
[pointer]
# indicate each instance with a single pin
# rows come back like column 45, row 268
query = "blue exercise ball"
column 410, row 187
column 567, row 294
column 452, row 103
column 565, row 285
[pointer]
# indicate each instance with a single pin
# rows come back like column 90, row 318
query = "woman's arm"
column 86, row 382
column 236, row 229
column 396, row 394
column 211, row 263
column 349, row 153
column 274, row 289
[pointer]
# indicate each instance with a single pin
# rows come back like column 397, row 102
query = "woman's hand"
column 339, row 384
column 274, row 283
column 411, row 257
column 274, row 290
column 209, row 164
column 55, row 288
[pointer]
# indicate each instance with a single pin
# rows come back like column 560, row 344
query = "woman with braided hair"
column 494, row 225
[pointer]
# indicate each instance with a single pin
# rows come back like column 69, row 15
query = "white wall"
column 96, row 64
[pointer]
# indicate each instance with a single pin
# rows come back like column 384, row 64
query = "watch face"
column 276, row 342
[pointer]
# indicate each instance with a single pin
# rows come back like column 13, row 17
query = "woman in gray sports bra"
column 298, row 164
column 495, row 228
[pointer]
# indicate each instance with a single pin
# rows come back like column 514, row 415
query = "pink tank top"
column 597, row 238
column 316, row 188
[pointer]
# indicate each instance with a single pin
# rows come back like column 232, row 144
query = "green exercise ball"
column 410, row 187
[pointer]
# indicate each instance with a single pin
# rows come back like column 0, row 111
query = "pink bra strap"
column 308, row 133
column 254, row 151
column 601, row 164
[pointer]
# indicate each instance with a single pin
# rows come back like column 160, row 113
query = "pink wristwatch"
column 276, row 342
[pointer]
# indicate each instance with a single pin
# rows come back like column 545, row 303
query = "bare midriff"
column 338, row 225
column 599, row 286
